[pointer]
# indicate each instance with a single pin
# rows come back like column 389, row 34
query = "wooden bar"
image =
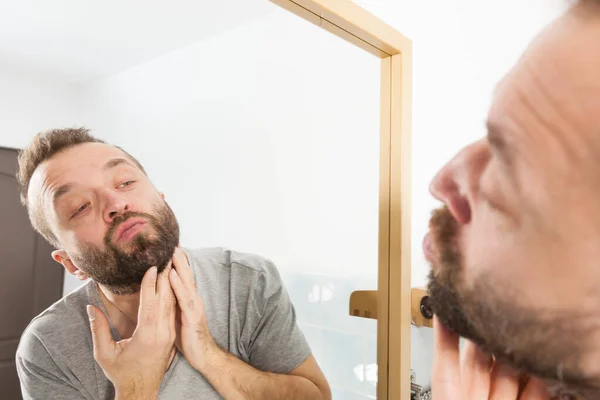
column 384, row 230
column 400, row 215
column 363, row 304
column 336, row 30
column 359, row 22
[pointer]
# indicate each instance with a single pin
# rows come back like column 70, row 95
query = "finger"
column 475, row 368
column 166, row 297
column 148, row 287
column 181, row 264
column 445, row 379
column 178, row 330
column 162, row 281
column 535, row 390
column 101, row 338
column 523, row 381
column 504, row 383
column 172, row 315
column 148, row 298
column 184, row 297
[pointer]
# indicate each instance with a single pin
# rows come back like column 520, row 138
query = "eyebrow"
column 66, row 188
column 498, row 142
column 505, row 149
column 114, row 162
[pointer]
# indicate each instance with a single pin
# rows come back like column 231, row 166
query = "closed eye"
column 79, row 210
column 126, row 184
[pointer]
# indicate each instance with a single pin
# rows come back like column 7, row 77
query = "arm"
column 281, row 366
column 234, row 379
column 39, row 384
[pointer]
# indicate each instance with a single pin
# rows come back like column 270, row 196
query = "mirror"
column 262, row 130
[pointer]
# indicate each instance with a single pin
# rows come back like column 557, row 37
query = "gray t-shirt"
column 249, row 314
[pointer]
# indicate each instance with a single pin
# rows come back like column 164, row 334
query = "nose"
column 115, row 206
column 457, row 182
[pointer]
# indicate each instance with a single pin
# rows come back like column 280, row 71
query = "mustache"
column 124, row 217
column 445, row 231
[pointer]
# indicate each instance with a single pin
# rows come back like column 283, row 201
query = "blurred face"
column 109, row 219
column 514, row 250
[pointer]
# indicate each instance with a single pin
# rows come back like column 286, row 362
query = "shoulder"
column 56, row 328
column 227, row 258
column 255, row 270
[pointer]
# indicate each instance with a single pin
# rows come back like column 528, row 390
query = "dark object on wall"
column 29, row 280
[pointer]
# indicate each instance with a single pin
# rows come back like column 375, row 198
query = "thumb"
column 101, row 337
column 446, row 373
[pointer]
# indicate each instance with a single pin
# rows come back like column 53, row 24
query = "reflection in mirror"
column 258, row 134
column 455, row 76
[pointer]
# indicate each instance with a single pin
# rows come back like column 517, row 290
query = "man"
column 164, row 322
column 515, row 249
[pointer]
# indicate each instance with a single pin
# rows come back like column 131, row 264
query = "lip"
column 129, row 228
column 428, row 248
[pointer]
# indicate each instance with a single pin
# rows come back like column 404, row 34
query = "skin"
column 151, row 322
column 525, row 201
column 137, row 364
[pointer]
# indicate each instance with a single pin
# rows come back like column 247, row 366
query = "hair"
column 42, row 148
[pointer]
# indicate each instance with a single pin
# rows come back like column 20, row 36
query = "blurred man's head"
column 96, row 205
column 515, row 252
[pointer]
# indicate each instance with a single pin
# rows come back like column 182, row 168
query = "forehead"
column 550, row 101
column 558, row 72
column 546, row 109
column 73, row 165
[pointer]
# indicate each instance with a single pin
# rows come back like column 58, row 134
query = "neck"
column 122, row 310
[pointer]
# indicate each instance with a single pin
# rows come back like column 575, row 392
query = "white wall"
column 288, row 168
column 31, row 102
column 462, row 48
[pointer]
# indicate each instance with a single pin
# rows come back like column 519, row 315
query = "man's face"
column 109, row 219
column 515, row 249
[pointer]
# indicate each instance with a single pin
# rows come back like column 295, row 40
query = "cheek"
column 519, row 264
column 488, row 248
column 90, row 231
column 146, row 200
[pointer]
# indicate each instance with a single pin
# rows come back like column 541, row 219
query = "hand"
column 136, row 366
column 471, row 374
column 193, row 336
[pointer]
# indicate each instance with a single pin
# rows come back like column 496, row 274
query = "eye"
column 126, row 184
column 79, row 210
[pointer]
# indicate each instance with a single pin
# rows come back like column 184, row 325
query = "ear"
column 61, row 257
column 162, row 195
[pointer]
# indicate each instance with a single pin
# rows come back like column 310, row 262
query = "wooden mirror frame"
column 391, row 303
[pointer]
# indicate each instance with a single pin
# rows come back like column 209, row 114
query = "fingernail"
column 153, row 272
column 91, row 311
column 174, row 273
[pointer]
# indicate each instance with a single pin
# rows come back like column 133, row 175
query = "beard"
column 548, row 344
column 121, row 268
